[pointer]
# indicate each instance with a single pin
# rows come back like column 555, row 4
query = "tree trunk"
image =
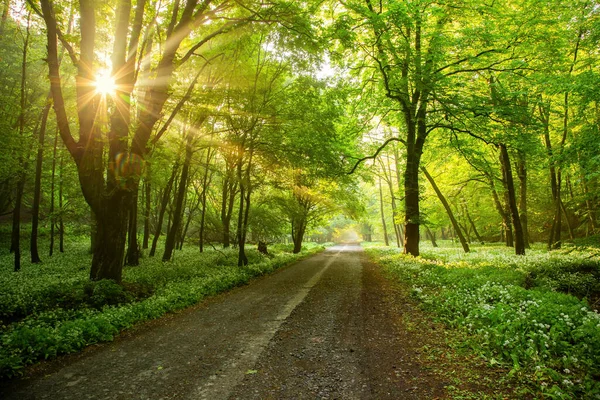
column 415, row 140
column 477, row 235
column 206, row 181
column 61, row 222
column 147, row 207
column 431, row 236
column 163, row 208
column 230, row 188
column 298, row 230
column 177, row 212
column 506, row 224
column 444, row 202
column 389, row 179
column 52, row 181
column 567, row 220
column 111, row 230
column 514, row 212
column 385, row 233
column 244, row 211
column 133, row 247
column 37, row 191
column 188, row 221
column 16, row 227
column 522, row 174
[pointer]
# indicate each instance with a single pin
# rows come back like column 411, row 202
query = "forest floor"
column 329, row 327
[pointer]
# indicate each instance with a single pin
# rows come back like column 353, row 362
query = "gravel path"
column 319, row 329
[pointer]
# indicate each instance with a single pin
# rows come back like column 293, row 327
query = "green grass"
column 531, row 314
column 52, row 308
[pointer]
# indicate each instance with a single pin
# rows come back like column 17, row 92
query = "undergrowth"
column 530, row 313
column 52, row 308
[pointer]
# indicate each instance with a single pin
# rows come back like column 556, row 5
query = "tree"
column 110, row 194
column 417, row 61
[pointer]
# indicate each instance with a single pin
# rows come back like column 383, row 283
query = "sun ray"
column 105, row 83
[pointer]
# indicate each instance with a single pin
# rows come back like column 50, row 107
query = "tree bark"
column 522, row 174
column 230, row 189
column 506, row 224
column 177, row 212
column 111, row 230
column 52, row 185
column 383, row 224
column 389, row 179
column 16, row 226
column 444, row 202
column 163, row 208
column 61, row 222
column 514, row 212
column 472, row 223
column 133, row 247
column 431, row 236
column 147, row 207
column 37, row 190
column 206, row 181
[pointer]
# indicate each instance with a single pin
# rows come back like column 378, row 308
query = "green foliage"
column 512, row 312
column 53, row 309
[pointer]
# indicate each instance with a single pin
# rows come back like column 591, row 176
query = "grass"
column 533, row 314
column 52, row 308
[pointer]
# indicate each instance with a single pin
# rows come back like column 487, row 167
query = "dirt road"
column 319, row 329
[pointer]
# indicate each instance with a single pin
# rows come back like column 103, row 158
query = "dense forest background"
column 148, row 126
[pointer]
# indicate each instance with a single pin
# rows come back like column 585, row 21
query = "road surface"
column 318, row 329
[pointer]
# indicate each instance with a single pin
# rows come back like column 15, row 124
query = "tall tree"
column 110, row 194
column 416, row 62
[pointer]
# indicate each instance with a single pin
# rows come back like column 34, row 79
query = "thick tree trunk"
column 512, row 203
column 383, row 224
column 298, row 230
column 177, row 212
column 411, row 202
column 111, row 231
column 444, row 202
column 37, row 190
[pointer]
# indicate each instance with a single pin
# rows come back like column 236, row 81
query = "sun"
column 105, row 84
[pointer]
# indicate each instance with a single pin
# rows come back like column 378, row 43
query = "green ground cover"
column 52, row 308
column 535, row 314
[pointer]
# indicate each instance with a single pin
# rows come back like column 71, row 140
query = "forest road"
column 318, row 329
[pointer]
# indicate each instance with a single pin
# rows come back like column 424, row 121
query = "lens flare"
column 105, row 84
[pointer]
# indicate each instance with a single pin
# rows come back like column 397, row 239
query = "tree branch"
column 383, row 146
